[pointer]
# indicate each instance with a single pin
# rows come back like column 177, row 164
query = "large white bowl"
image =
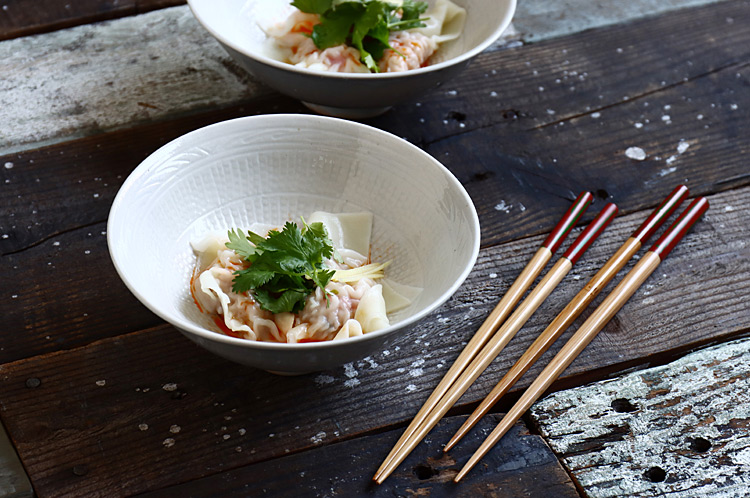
column 276, row 168
column 235, row 24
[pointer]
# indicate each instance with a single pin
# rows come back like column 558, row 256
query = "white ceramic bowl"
column 235, row 24
column 276, row 168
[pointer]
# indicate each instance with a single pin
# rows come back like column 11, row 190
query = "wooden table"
column 101, row 398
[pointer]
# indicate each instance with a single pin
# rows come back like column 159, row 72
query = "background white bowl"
column 276, row 168
column 234, row 23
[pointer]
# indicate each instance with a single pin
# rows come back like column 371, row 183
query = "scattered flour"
column 322, row 380
column 318, row 438
column 502, row 206
column 635, row 153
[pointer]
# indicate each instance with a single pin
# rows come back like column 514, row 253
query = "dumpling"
column 445, row 22
column 371, row 312
column 347, row 230
column 351, row 328
column 210, row 285
column 398, row 296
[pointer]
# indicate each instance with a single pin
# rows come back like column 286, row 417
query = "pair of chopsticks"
column 576, row 306
column 473, row 360
column 420, row 425
column 593, row 325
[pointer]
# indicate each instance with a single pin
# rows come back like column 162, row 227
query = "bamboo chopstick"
column 499, row 313
column 591, row 327
column 519, row 317
column 576, row 306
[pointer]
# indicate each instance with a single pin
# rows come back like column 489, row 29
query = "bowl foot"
column 286, row 374
column 346, row 112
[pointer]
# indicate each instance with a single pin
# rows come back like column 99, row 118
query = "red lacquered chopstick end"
column 589, row 235
column 664, row 211
column 680, row 227
column 568, row 221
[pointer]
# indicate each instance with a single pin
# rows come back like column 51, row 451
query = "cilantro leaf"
column 363, row 24
column 313, row 6
column 411, row 11
column 285, row 267
column 240, row 243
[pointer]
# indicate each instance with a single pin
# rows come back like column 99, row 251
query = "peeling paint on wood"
column 676, row 430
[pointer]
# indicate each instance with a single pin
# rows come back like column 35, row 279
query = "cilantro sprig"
column 285, row 267
column 363, row 24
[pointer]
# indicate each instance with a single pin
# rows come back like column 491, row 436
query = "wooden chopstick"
column 576, row 306
column 591, row 327
column 499, row 313
column 498, row 341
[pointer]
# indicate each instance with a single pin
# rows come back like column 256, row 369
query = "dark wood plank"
column 54, row 204
column 83, row 408
column 30, row 17
column 522, row 465
column 521, row 174
column 678, row 430
column 553, row 118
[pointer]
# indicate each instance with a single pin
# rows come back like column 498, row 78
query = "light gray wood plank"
column 676, row 430
column 88, row 79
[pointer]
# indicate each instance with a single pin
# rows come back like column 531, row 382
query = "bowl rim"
column 504, row 23
column 295, row 120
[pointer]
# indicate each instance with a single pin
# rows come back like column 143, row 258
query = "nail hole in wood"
column 656, row 474
column 424, row 472
column 511, row 114
column 602, row 194
column 622, row 405
column 33, row 382
column 457, row 116
column 80, row 470
column 699, row 444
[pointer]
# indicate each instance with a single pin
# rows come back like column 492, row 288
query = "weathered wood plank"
column 535, row 19
column 539, row 19
column 522, row 466
column 27, row 17
column 100, row 85
column 506, row 166
column 83, row 408
column 677, row 430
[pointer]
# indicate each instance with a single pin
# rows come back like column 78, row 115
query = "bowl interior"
column 237, row 23
column 276, row 168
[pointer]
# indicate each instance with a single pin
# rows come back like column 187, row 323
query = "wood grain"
column 95, row 398
column 677, row 430
column 523, row 466
column 30, row 17
column 100, row 84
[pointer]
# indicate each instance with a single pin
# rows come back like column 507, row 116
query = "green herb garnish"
column 285, row 267
column 363, row 24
